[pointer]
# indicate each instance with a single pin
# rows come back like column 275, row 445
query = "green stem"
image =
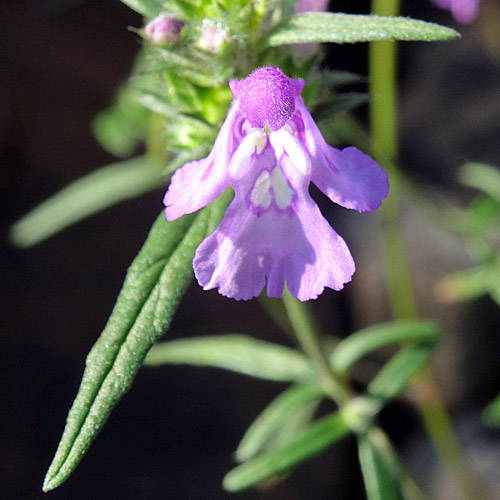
column 384, row 146
column 305, row 330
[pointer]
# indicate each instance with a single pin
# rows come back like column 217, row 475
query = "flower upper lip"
column 267, row 97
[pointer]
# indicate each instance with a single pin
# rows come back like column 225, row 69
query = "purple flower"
column 268, row 150
column 311, row 6
column 464, row 11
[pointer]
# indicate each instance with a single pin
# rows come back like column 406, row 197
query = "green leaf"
column 148, row 8
column 398, row 371
column 158, row 104
column 238, row 353
column 338, row 78
column 345, row 28
column 121, row 128
column 466, row 284
column 484, row 177
column 150, row 295
column 303, row 445
column 491, row 415
column 285, row 407
column 482, row 214
column 84, row 197
column 370, row 339
column 380, row 467
column 190, row 69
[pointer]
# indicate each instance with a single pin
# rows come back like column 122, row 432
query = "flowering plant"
column 234, row 120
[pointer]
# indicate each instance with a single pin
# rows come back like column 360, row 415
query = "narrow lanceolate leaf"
column 150, row 295
column 380, row 467
column 397, row 373
column 279, row 412
column 303, row 445
column 237, row 353
column 84, row 197
column 370, row 339
column 346, row 28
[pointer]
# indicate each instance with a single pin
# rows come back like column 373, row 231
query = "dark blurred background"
column 173, row 435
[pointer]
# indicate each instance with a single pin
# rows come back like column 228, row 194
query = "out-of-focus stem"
column 384, row 147
column 306, row 333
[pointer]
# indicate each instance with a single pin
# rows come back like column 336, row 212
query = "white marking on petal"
column 283, row 140
column 254, row 142
column 260, row 141
column 283, row 194
column 261, row 196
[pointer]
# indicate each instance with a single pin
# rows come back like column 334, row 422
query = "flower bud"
column 213, row 37
column 164, row 30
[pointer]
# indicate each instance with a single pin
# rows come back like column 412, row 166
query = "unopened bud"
column 164, row 30
column 212, row 38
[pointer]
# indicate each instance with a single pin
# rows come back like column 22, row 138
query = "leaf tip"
column 228, row 483
column 52, row 480
column 48, row 485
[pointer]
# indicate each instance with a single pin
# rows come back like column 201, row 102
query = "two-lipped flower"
column 269, row 150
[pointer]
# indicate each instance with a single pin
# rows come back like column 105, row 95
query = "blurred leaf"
column 370, row 339
column 238, row 353
column 484, row 177
column 491, row 415
column 466, row 284
column 148, row 8
column 150, row 295
column 158, row 104
column 482, row 213
column 341, row 103
column 379, row 466
column 338, row 78
column 286, row 406
column 189, row 69
column 398, row 371
column 303, row 445
column 344, row 28
column 121, row 128
column 86, row 196
column 294, row 423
